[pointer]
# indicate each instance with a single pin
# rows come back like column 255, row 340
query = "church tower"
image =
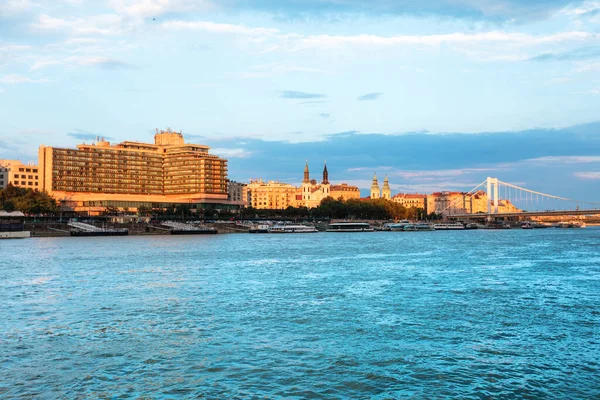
column 386, row 192
column 375, row 193
column 306, row 185
column 325, row 185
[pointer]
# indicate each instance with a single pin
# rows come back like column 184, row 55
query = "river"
column 484, row 313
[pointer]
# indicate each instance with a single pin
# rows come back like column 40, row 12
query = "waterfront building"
column 16, row 173
column 448, row 203
column 236, row 193
column 3, row 177
column 375, row 192
column 386, row 191
column 129, row 175
column 310, row 194
column 270, row 195
column 411, row 200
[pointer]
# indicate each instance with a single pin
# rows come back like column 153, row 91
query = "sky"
column 437, row 94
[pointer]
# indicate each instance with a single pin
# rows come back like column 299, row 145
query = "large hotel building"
column 133, row 174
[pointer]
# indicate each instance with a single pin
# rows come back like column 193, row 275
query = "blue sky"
column 437, row 94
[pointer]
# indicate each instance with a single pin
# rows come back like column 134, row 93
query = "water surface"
column 329, row 315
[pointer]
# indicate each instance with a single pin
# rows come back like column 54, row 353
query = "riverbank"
column 55, row 229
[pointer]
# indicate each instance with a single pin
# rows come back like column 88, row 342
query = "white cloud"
column 208, row 85
column 155, row 8
column 587, row 175
column 44, row 63
column 566, row 159
column 231, row 153
column 104, row 24
column 218, row 28
column 11, row 7
column 273, row 69
column 16, row 79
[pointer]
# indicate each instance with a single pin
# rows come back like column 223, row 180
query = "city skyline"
column 440, row 95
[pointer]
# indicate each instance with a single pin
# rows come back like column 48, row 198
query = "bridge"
column 493, row 199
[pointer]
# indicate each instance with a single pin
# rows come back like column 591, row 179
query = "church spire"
column 375, row 193
column 386, row 192
column 325, row 175
column 306, row 174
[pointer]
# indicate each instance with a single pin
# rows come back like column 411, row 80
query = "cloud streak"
column 587, row 175
column 291, row 94
column 14, row 79
column 369, row 96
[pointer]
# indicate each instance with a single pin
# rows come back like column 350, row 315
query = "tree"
column 28, row 201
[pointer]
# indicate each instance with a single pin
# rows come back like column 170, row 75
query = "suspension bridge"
column 494, row 198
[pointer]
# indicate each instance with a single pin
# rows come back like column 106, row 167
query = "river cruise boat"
column 396, row 226
column 292, row 229
column 350, row 227
column 12, row 227
column 13, row 230
column 570, row 224
column 418, row 227
column 261, row 228
column 451, row 226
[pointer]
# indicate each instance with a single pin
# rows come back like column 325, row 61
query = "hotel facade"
column 130, row 175
column 16, row 173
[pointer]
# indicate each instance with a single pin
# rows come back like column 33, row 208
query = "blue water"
column 473, row 314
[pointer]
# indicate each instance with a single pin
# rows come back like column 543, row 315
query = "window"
column 23, row 183
column 16, row 176
column 21, row 169
column 30, row 177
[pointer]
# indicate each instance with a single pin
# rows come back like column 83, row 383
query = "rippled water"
column 425, row 314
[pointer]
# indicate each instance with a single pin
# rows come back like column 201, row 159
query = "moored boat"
column 396, row 226
column 280, row 228
column 449, row 226
column 261, row 228
column 418, row 227
column 12, row 228
column 350, row 227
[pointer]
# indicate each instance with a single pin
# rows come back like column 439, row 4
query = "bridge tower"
column 492, row 195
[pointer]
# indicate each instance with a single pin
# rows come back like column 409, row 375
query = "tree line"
column 28, row 201
column 330, row 208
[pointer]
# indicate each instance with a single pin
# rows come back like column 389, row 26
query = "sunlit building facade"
column 411, row 200
column 16, row 173
column 310, row 193
column 270, row 195
column 95, row 176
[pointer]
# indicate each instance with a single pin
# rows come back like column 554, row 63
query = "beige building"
column 279, row 195
column 133, row 174
column 447, row 203
column 236, row 193
column 411, row 200
column 310, row 193
column 16, row 173
column 270, row 195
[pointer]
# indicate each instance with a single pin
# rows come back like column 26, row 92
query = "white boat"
column 13, row 230
column 396, row 226
column 570, row 224
column 419, row 227
column 292, row 229
column 350, row 227
column 450, row 226
column 15, row 235
column 260, row 228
